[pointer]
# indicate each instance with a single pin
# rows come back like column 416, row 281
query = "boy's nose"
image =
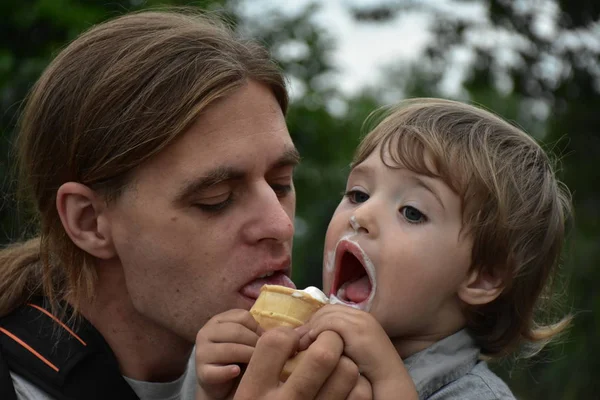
column 362, row 221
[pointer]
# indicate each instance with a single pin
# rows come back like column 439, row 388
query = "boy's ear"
column 480, row 287
column 83, row 215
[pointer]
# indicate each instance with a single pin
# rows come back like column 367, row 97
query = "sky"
column 362, row 48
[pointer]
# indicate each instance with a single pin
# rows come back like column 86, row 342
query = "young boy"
column 439, row 252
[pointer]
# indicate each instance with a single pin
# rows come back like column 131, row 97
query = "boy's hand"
column 367, row 344
column 225, row 341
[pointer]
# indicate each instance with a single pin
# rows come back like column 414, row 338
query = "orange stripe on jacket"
column 29, row 348
column 58, row 322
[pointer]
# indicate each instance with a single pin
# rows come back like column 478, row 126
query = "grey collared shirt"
column 450, row 369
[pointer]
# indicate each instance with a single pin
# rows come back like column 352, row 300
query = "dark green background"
column 32, row 31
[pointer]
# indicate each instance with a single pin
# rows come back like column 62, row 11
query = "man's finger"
column 305, row 341
column 272, row 351
column 362, row 390
column 316, row 366
column 341, row 382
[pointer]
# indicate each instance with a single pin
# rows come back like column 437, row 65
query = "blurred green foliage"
column 552, row 90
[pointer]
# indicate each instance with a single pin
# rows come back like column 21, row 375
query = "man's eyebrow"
column 290, row 157
column 422, row 183
column 211, row 178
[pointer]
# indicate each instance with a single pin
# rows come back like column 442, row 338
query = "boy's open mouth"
column 353, row 281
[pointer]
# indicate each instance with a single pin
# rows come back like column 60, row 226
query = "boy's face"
column 394, row 248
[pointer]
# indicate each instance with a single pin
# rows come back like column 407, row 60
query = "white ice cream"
column 313, row 292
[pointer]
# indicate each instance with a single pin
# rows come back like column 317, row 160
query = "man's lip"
column 282, row 266
column 281, row 273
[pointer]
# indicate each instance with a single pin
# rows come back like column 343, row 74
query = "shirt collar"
column 443, row 362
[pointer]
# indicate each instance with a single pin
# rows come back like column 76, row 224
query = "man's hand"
column 323, row 373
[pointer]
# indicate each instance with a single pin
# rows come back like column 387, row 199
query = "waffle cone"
column 281, row 306
column 278, row 306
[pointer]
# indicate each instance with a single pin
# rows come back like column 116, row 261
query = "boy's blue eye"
column 356, row 196
column 413, row 215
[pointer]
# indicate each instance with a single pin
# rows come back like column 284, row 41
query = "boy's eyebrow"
column 360, row 169
column 422, row 183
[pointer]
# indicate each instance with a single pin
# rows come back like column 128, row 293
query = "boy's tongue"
column 359, row 290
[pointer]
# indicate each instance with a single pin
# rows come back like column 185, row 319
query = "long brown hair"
column 116, row 96
column 514, row 208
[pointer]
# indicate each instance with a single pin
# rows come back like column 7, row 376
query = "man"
column 156, row 154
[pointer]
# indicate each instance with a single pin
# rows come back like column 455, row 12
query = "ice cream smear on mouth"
column 354, row 282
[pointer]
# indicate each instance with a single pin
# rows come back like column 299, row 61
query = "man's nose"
column 272, row 217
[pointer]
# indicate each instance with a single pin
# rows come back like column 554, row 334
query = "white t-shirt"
column 183, row 388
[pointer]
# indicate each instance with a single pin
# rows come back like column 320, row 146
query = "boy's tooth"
column 341, row 293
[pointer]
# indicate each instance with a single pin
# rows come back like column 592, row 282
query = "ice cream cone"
column 278, row 306
column 281, row 306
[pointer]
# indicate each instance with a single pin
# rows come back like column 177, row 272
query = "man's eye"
column 212, row 207
column 356, row 196
column 413, row 215
column 282, row 190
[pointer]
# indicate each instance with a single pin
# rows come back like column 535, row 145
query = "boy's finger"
column 335, row 308
column 218, row 374
column 332, row 311
column 242, row 317
column 316, row 366
column 339, row 323
column 225, row 353
column 232, row 332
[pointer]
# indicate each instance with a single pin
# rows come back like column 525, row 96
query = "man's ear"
column 83, row 215
column 480, row 287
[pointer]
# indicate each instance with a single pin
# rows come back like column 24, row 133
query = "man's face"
column 211, row 215
column 394, row 248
